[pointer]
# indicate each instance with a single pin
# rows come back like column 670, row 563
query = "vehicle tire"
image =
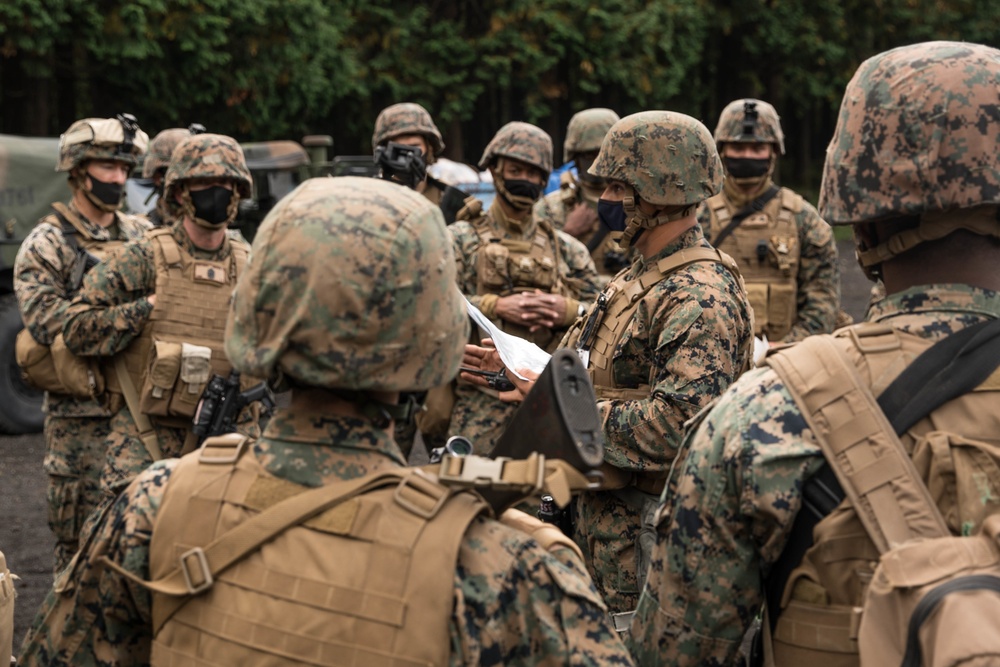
column 20, row 405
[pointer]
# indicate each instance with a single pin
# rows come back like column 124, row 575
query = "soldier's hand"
column 517, row 308
column 550, row 309
column 152, row 300
column 581, row 220
column 486, row 358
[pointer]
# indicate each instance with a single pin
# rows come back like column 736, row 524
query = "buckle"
column 476, row 471
column 230, row 442
column 878, row 331
column 206, row 573
column 423, row 487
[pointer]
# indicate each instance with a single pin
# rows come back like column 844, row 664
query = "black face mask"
column 522, row 188
column 109, row 193
column 612, row 214
column 745, row 167
column 212, row 204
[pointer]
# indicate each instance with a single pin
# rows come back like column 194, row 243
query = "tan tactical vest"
column 614, row 309
column 766, row 246
column 181, row 346
column 956, row 451
column 511, row 266
column 367, row 581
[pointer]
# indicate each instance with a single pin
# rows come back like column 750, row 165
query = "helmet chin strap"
column 638, row 221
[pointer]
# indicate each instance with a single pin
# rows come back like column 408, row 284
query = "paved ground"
column 24, row 534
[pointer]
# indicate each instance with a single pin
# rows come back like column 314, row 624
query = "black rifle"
column 221, row 404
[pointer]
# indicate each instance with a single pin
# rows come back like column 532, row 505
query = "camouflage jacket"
column 42, row 282
column 818, row 278
column 686, row 341
column 111, row 307
column 515, row 603
column 576, row 268
column 733, row 497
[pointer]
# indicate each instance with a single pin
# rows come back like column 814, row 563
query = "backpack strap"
column 857, row 440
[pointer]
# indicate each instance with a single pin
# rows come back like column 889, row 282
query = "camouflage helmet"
column 352, row 286
column 520, row 141
column 407, row 118
column 118, row 139
column 750, row 121
column 161, row 148
column 586, row 131
column 208, row 156
column 917, row 133
column 668, row 158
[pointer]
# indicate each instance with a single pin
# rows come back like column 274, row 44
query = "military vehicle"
column 29, row 184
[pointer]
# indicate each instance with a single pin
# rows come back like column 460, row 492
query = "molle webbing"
column 622, row 300
column 542, row 249
column 360, row 572
column 871, row 464
column 769, row 254
column 192, row 303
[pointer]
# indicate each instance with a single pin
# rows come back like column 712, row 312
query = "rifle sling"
column 146, row 431
column 756, row 206
column 950, row 368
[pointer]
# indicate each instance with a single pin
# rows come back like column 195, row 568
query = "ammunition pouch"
column 176, row 377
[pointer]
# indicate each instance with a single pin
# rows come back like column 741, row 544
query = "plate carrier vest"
column 766, row 246
column 181, row 346
column 368, row 580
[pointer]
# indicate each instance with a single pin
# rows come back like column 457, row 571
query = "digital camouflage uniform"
column 585, row 133
column 111, row 309
column 733, row 498
column 786, row 252
column 514, row 603
column 686, row 341
column 479, row 415
column 75, row 429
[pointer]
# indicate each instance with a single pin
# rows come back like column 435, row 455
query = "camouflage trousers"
column 609, row 530
column 479, row 417
column 74, row 456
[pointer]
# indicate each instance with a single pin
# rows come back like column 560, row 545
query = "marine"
column 924, row 216
column 573, row 207
column 392, row 567
column 155, row 312
column 664, row 338
column 532, row 280
column 97, row 155
column 785, row 250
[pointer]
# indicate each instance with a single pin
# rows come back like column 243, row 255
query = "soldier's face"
column 108, row 171
column 616, row 191
column 752, row 151
column 415, row 140
column 515, row 170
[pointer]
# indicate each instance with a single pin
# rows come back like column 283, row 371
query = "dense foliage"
column 261, row 69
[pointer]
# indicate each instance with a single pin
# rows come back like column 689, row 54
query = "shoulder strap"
column 142, row 423
column 70, row 222
column 755, row 206
column 907, row 400
column 857, row 439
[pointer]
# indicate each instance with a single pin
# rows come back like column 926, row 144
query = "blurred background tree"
column 268, row 69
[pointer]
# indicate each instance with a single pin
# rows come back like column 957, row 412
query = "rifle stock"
column 558, row 417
